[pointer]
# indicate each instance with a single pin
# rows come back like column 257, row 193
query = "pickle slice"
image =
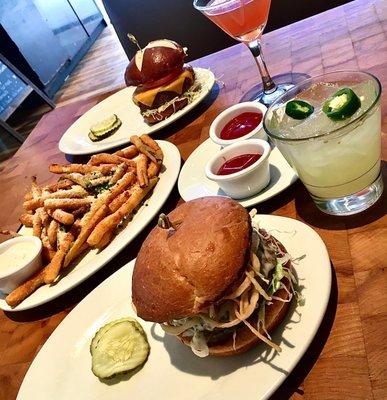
column 96, row 135
column 104, row 125
column 118, row 347
column 93, row 138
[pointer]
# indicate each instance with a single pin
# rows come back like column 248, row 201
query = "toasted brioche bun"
column 179, row 273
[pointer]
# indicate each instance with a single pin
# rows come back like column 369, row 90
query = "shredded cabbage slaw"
column 269, row 266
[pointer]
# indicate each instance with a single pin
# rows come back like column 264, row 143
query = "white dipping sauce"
column 15, row 256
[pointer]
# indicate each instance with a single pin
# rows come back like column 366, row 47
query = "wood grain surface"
column 347, row 358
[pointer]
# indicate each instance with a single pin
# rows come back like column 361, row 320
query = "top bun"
column 178, row 273
column 157, row 60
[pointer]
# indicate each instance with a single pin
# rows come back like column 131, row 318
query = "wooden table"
column 347, row 359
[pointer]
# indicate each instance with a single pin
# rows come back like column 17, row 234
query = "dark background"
column 178, row 20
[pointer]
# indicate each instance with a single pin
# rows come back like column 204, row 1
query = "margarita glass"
column 338, row 161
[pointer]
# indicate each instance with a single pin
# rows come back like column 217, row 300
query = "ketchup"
column 241, row 125
column 238, row 163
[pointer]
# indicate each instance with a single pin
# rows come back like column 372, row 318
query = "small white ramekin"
column 250, row 180
column 228, row 114
column 11, row 280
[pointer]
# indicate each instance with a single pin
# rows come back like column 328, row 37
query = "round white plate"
column 76, row 141
column 193, row 182
column 93, row 260
column 62, row 368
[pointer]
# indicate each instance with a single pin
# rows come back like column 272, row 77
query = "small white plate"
column 93, row 260
column 172, row 370
column 76, row 141
column 193, row 182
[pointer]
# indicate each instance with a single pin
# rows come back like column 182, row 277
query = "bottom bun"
column 162, row 115
column 245, row 339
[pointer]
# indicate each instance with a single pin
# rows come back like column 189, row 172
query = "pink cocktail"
column 245, row 20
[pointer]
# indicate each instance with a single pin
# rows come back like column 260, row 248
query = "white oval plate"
column 76, row 141
column 93, row 261
column 172, row 371
column 193, row 182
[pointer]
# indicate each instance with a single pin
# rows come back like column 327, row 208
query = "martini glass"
column 245, row 20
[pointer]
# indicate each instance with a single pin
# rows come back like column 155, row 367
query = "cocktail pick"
column 133, row 39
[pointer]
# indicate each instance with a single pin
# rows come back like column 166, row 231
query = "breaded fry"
column 36, row 225
column 110, row 194
column 127, row 152
column 83, row 235
column 61, row 184
column 142, row 175
column 33, row 204
column 67, row 204
column 24, row 290
column 81, row 168
column 61, row 216
column 118, row 201
column 48, row 251
column 26, row 220
column 36, row 191
column 153, row 169
column 80, row 211
column 73, row 193
column 105, row 240
column 7, row 232
column 111, row 221
column 105, row 158
column 154, row 146
column 143, row 148
column 28, row 196
column 52, row 270
column 52, row 232
column 44, row 217
column 118, row 173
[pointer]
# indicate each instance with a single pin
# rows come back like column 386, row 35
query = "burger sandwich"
column 212, row 278
column 164, row 84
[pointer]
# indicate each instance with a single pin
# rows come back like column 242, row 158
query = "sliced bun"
column 178, row 273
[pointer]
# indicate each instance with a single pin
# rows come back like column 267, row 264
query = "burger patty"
column 163, row 97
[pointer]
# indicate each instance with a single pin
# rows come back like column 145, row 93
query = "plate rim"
column 71, row 284
column 325, row 262
column 64, row 149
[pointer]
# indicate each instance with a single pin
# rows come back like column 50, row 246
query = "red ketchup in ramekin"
column 238, row 163
column 241, row 125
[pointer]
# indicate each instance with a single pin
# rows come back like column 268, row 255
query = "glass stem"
column 268, row 83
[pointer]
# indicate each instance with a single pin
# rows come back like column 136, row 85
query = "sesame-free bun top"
column 180, row 272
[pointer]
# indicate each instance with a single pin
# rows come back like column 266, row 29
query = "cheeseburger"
column 212, row 279
column 163, row 81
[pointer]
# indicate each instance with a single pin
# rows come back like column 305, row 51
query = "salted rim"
column 359, row 118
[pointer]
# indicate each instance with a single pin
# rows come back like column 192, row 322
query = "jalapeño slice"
column 298, row 109
column 343, row 104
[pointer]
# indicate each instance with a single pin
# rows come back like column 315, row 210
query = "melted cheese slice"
column 147, row 98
